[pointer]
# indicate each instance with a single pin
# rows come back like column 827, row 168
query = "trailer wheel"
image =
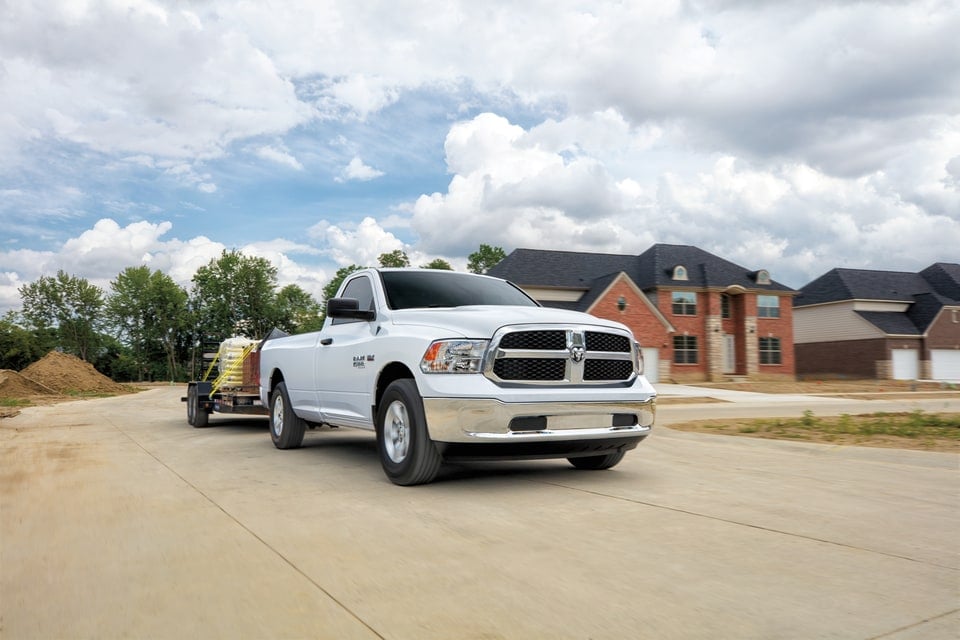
column 286, row 427
column 196, row 416
column 597, row 463
column 407, row 453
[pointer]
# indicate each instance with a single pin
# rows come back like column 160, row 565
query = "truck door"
column 346, row 366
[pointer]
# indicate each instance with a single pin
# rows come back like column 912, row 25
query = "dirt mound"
column 63, row 373
column 14, row 385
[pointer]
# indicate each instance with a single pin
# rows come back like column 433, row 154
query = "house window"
column 763, row 276
column 768, row 306
column 684, row 303
column 679, row 272
column 769, row 350
column 685, row 349
column 724, row 305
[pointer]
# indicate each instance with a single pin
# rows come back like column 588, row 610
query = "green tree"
column 296, row 310
column 438, row 263
column 19, row 347
column 69, row 304
column 396, row 258
column 149, row 312
column 484, row 258
column 234, row 294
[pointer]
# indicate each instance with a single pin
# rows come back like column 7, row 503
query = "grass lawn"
column 912, row 430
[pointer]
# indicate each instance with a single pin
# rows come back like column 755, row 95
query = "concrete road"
column 117, row 519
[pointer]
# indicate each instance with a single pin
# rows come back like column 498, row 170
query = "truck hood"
column 483, row 321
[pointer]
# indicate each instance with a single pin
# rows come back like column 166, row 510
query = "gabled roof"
column 567, row 269
column 655, row 270
column 944, row 277
column 926, row 292
column 651, row 269
column 893, row 286
column 862, row 284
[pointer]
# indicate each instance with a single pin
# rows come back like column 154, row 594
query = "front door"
column 729, row 353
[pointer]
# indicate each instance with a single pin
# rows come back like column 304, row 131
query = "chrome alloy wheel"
column 396, row 431
column 277, row 416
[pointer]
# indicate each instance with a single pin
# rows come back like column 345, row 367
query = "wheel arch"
column 391, row 372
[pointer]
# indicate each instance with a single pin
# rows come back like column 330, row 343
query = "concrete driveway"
column 117, row 519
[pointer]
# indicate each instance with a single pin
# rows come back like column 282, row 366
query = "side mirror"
column 348, row 308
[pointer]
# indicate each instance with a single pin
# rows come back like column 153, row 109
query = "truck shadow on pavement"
column 349, row 447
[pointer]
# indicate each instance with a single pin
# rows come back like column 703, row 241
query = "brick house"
column 880, row 324
column 697, row 316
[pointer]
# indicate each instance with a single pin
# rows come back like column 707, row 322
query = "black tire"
column 286, row 427
column 407, row 453
column 196, row 415
column 597, row 463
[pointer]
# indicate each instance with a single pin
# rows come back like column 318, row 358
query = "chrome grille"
column 560, row 355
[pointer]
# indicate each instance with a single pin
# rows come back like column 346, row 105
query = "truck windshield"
column 422, row 288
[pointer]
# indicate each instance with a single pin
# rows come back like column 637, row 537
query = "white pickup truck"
column 456, row 366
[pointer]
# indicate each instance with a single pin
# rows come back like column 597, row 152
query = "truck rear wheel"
column 596, row 463
column 286, row 427
column 407, row 453
column 197, row 416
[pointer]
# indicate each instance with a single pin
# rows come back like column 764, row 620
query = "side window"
column 684, row 303
column 360, row 289
column 768, row 306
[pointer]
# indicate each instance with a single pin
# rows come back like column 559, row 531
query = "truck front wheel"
column 286, row 427
column 407, row 454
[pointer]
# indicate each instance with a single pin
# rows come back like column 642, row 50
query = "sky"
column 795, row 136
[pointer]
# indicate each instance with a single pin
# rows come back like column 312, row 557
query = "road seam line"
column 747, row 524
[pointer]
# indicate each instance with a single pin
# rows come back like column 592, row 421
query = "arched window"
column 679, row 272
column 763, row 276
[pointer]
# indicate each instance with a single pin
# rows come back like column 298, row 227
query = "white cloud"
column 357, row 170
column 360, row 244
column 279, row 155
column 508, row 191
column 103, row 251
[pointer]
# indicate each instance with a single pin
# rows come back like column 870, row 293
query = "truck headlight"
column 639, row 358
column 454, row 356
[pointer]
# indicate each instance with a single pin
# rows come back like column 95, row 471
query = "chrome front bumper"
column 486, row 420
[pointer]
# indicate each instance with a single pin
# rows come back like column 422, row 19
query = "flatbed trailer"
column 235, row 390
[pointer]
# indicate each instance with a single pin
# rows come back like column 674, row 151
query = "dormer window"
column 679, row 272
column 763, row 276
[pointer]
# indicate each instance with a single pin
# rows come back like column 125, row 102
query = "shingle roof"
column 927, row 292
column 944, row 277
column 862, row 284
column 891, row 322
column 651, row 269
column 895, row 286
column 569, row 269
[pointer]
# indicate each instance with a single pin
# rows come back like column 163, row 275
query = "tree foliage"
column 233, row 295
column 297, row 311
column 438, row 263
column 485, row 258
column 20, row 346
column 70, row 305
column 148, row 311
column 396, row 258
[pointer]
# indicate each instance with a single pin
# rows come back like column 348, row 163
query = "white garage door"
column 945, row 364
column 651, row 363
column 905, row 364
